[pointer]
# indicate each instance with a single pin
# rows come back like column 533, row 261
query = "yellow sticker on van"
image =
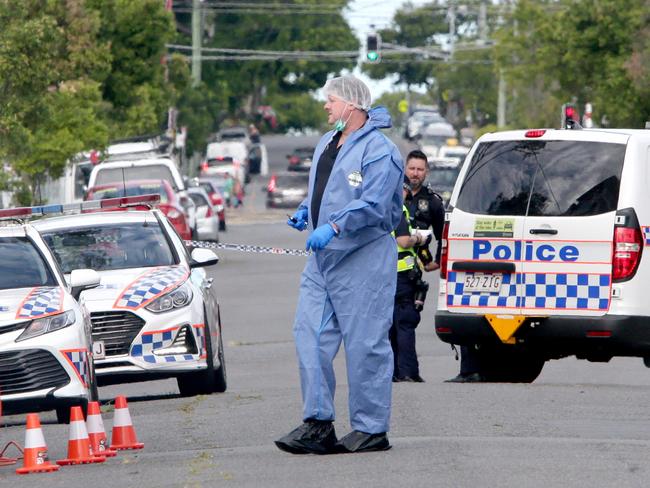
column 491, row 227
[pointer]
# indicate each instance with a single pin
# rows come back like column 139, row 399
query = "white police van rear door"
column 532, row 228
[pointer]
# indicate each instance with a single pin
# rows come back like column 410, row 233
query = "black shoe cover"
column 357, row 441
column 312, row 437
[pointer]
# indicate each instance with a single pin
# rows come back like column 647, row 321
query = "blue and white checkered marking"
column 199, row 332
column 79, row 360
column 40, row 302
column 646, row 234
column 579, row 291
column 505, row 297
column 144, row 345
column 150, row 286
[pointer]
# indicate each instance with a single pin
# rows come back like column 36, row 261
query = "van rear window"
column 543, row 178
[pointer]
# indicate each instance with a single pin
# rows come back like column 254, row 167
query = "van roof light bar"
column 71, row 208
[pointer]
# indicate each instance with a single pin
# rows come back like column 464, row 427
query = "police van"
column 543, row 250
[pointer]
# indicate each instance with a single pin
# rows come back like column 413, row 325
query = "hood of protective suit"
column 379, row 117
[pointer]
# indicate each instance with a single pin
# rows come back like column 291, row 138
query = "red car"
column 169, row 202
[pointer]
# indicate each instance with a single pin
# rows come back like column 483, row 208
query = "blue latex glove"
column 320, row 237
column 300, row 220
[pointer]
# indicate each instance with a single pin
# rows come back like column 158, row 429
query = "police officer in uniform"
column 427, row 211
column 406, row 315
column 425, row 207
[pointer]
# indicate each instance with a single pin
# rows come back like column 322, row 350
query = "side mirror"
column 83, row 279
column 203, row 257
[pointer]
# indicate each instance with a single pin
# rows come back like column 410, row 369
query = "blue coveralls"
column 347, row 290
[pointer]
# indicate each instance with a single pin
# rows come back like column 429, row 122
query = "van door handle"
column 544, row 231
column 208, row 283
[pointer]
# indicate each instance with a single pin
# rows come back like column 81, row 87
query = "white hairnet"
column 350, row 89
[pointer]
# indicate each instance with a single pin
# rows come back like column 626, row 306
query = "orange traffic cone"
column 35, row 454
column 96, row 432
column 79, row 451
column 123, row 435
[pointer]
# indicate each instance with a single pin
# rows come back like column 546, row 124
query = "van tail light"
column 628, row 245
column 216, row 199
column 444, row 251
column 204, row 166
column 209, row 212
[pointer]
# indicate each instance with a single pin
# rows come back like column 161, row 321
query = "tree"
column 465, row 83
column 50, row 72
column 135, row 87
column 554, row 51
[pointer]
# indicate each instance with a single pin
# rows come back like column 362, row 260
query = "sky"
column 361, row 14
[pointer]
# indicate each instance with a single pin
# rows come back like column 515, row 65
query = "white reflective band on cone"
column 122, row 418
column 78, row 430
column 95, row 424
column 34, row 438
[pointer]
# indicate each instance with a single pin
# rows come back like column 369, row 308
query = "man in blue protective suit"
column 348, row 285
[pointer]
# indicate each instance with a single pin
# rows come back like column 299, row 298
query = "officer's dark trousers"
column 402, row 332
column 469, row 361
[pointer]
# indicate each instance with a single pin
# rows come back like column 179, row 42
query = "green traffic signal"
column 373, row 56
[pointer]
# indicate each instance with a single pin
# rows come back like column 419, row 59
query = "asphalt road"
column 579, row 425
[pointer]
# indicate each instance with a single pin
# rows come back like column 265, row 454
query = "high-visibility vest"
column 406, row 256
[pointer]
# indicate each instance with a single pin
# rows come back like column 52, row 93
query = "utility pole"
column 451, row 15
column 501, row 101
column 196, row 42
column 482, row 23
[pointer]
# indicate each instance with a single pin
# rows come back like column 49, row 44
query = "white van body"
column 70, row 187
column 115, row 171
column 544, row 249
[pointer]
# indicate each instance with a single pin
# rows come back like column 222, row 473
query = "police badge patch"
column 355, row 179
column 423, row 205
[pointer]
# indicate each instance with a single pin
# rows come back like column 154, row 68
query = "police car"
column 154, row 315
column 543, row 251
column 45, row 342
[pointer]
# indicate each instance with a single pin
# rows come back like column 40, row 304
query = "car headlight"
column 177, row 298
column 48, row 324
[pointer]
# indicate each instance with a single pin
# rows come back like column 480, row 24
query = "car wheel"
column 220, row 379
column 207, row 381
column 505, row 365
column 63, row 411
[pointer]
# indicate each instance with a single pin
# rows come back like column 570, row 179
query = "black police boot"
column 466, row 378
column 357, row 441
column 312, row 437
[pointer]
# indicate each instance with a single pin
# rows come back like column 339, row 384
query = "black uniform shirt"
column 323, row 171
column 427, row 211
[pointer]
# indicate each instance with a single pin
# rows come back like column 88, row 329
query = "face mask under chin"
column 340, row 124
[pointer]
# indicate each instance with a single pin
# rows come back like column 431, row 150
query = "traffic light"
column 373, row 48
column 570, row 116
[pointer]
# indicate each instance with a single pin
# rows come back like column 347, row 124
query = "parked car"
column 156, row 314
column 215, row 187
column 545, row 250
column 117, row 172
column 236, row 150
column 169, row 201
column 442, row 180
column 235, row 133
column 46, row 358
column 206, row 215
column 286, row 189
column 222, row 165
column 300, row 159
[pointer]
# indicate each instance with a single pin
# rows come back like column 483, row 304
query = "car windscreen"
column 443, row 177
column 130, row 191
column 292, row 181
column 106, row 176
column 22, row 266
column 108, row 247
column 543, row 178
column 198, row 199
